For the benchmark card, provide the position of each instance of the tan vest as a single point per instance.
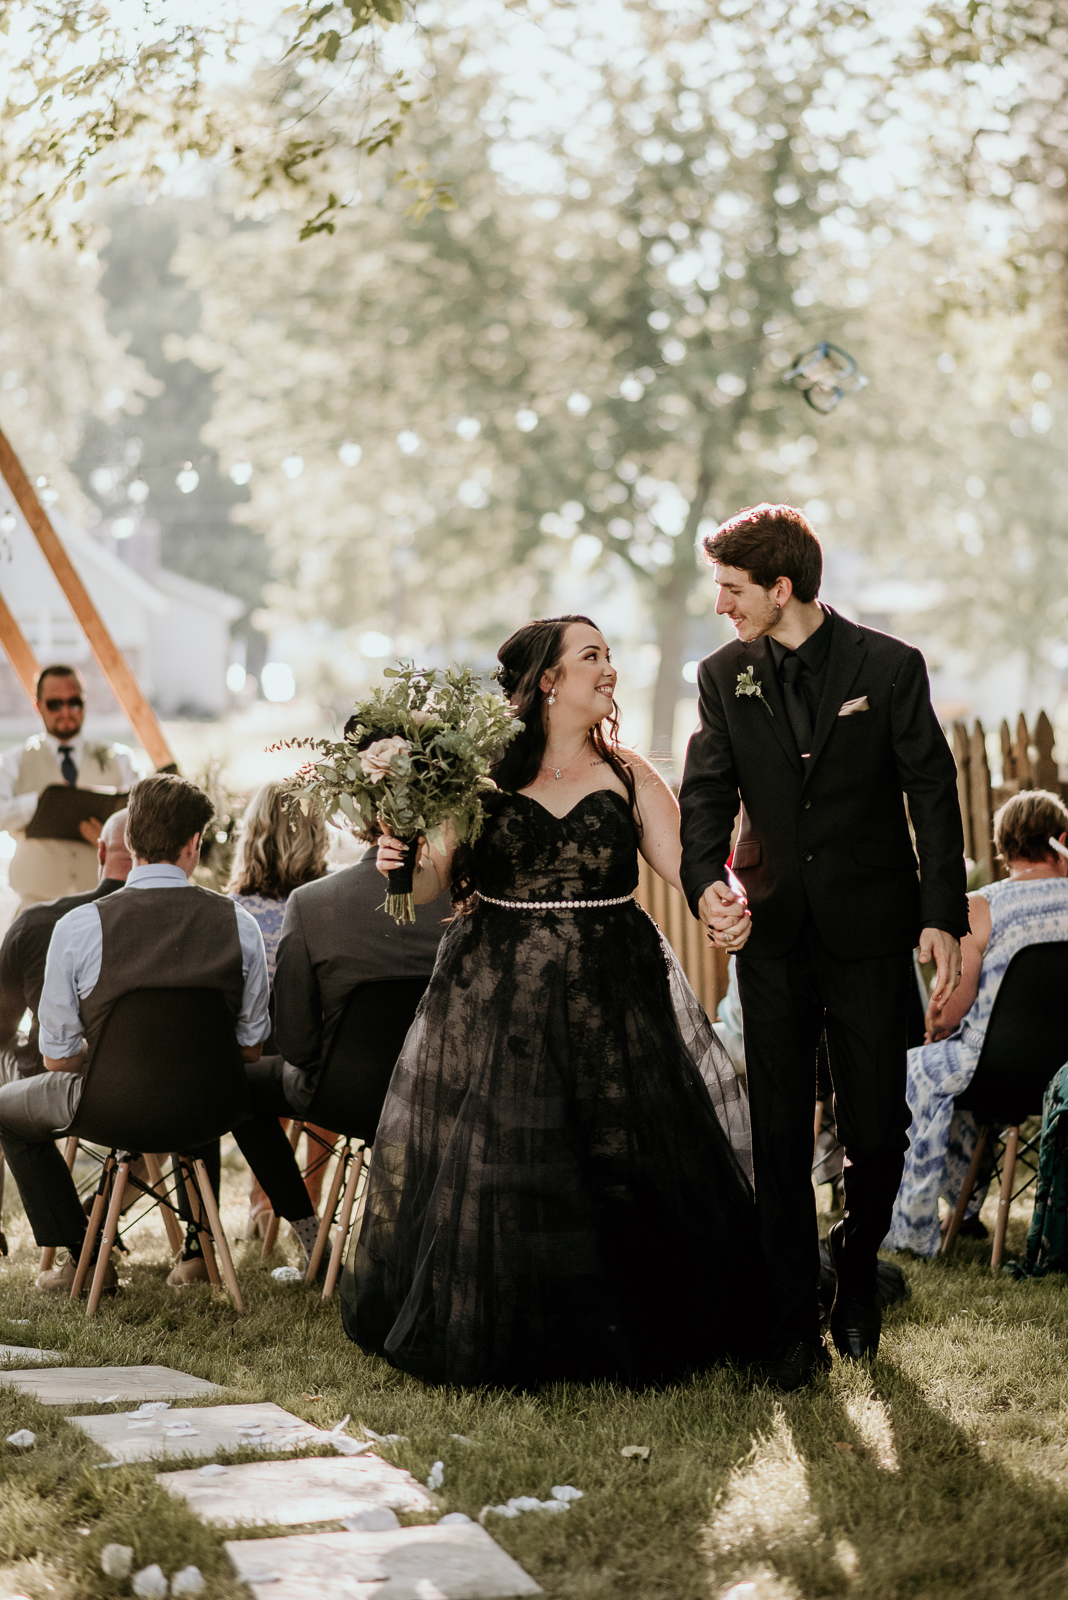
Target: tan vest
(43, 869)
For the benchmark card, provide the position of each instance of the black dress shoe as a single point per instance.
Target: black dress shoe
(856, 1318)
(796, 1363)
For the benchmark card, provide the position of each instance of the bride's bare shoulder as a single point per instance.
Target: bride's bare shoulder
(642, 768)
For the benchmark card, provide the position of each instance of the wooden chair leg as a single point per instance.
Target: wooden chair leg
(175, 1237)
(964, 1198)
(329, 1212)
(270, 1238)
(333, 1271)
(1008, 1173)
(215, 1222)
(92, 1229)
(207, 1250)
(110, 1233)
(70, 1152)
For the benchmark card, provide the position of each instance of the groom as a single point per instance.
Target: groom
(822, 730)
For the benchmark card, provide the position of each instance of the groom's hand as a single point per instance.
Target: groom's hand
(726, 917)
(944, 950)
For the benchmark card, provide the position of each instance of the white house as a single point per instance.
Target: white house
(175, 633)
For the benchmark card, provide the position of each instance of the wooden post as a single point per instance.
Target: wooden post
(981, 805)
(18, 650)
(1045, 768)
(1008, 755)
(962, 756)
(1024, 769)
(113, 664)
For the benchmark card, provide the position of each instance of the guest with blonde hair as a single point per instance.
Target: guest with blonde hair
(279, 849)
(1030, 906)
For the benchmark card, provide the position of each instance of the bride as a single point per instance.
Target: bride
(560, 1183)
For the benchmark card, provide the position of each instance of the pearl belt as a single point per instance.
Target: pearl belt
(556, 905)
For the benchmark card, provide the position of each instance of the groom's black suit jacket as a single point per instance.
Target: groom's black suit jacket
(830, 832)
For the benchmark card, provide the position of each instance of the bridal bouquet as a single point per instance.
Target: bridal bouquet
(417, 753)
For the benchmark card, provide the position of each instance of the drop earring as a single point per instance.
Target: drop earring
(552, 697)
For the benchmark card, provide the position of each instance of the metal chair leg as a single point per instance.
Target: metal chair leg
(1008, 1173)
(110, 1233)
(964, 1198)
(175, 1237)
(333, 1271)
(215, 1222)
(270, 1238)
(92, 1228)
(48, 1254)
(329, 1212)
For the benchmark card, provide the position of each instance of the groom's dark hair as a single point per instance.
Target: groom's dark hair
(770, 542)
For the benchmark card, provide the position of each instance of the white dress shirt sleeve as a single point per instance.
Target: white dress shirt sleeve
(130, 773)
(72, 969)
(254, 1021)
(15, 809)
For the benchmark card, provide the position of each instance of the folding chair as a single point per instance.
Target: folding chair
(166, 1075)
(1026, 1042)
(349, 1095)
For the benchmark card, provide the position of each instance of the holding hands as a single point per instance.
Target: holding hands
(726, 916)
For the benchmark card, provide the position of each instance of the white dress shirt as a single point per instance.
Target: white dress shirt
(73, 968)
(17, 809)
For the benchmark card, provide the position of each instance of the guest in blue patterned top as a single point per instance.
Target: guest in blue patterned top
(278, 850)
(1030, 906)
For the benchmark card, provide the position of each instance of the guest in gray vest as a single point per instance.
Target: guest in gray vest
(143, 936)
(334, 937)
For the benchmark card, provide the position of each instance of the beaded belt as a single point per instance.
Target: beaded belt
(556, 905)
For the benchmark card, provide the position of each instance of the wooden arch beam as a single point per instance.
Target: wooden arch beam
(110, 659)
(19, 651)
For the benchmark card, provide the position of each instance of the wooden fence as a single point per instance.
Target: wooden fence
(1026, 763)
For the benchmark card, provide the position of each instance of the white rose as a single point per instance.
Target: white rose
(376, 759)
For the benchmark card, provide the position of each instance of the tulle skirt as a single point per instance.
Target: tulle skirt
(561, 1182)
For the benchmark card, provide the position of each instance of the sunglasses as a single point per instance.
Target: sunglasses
(76, 703)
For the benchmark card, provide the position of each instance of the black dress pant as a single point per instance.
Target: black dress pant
(787, 1003)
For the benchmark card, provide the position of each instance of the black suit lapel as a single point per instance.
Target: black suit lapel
(844, 661)
(758, 656)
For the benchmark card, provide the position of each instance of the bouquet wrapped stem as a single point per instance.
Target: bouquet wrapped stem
(400, 899)
(416, 756)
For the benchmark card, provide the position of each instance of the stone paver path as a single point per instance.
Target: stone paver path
(14, 1355)
(287, 1493)
(200, 1431)
(65, 1386)
(453, 1563)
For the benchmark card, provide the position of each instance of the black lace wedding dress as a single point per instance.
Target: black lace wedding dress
(560, 1185)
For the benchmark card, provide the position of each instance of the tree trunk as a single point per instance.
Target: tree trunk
(670, 616)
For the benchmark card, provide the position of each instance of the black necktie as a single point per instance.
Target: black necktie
(796, 704)
(66, 766)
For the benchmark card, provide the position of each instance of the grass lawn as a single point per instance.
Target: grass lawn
(941, 1472)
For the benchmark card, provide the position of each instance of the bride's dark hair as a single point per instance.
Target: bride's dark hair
(525, 658)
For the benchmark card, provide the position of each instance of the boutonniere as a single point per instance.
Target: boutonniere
(100, 753)
(747, 685)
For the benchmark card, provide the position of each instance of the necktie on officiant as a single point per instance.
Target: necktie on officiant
(67, 768)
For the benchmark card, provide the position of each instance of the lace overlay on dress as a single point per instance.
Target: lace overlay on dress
(553, 1190)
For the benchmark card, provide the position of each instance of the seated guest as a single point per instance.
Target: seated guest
(1029, 907)
(279, 849)
(25, 946)
(334, 937)
(143, 936)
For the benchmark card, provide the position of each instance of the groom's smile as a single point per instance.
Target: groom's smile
(747, 604)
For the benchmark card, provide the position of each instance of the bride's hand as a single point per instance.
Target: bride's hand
(390, 853)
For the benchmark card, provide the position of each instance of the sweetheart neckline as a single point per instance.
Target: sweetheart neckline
(517, 794)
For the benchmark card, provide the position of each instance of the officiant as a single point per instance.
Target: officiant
(43, 869)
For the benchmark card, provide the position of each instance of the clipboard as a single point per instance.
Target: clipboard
(60, 809)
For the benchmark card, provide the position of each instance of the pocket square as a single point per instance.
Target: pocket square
(850, 706)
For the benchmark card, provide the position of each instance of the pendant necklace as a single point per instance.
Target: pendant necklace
(558, 772)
